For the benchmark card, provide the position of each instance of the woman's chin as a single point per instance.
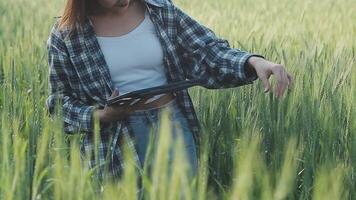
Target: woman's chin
(122, 3)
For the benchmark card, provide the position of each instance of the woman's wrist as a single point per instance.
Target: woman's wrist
(253, 62)
(249, 69)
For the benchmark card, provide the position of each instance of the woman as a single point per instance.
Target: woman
(99, 45)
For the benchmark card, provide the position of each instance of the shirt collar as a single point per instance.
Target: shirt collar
(158, 3)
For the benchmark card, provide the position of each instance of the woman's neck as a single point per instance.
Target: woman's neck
(114, 11)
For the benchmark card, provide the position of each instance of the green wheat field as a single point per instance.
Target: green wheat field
(254, 145)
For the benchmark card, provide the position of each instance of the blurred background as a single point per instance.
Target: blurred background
(256, 147)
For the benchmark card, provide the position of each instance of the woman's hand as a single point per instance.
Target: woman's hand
(114, 112)
(265, 69)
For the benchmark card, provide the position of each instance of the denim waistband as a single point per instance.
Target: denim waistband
(172, 103)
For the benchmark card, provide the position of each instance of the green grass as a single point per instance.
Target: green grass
(256, 147)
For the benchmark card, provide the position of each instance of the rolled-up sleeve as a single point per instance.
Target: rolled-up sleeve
(208, 57)
(77, 116)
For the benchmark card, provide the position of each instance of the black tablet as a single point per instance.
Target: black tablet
(133, 97)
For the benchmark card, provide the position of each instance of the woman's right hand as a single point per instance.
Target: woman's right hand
(114, 112)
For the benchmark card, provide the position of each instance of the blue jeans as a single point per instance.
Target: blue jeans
(143, 121)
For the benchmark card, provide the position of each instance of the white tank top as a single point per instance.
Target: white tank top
(135, 60)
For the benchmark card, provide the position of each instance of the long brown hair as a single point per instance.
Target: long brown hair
(75, 12)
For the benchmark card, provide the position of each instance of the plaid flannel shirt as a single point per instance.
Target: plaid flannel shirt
(80, 79)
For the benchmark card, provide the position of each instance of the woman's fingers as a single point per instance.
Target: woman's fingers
(282, 80)
(115, 93)
(266, 84)
(278, 75)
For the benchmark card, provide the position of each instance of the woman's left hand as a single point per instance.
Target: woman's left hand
(265, 69)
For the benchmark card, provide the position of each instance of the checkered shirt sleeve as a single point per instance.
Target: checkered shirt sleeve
(209, 57)
(78, 117)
